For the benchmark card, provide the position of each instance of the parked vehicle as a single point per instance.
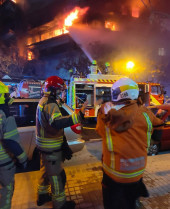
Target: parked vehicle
(29, 89)
(163, 112)
(24, 111)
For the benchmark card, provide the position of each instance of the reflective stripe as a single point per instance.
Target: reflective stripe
(74, 118)
(56, 185)
(22, 156)
(7, 201)
(55, 115)
(154, 100)
(109, 139)
(149, 132)
(122, 175)
(59, 197)
(49, 142)
(44, 189)
(40, 107)
(42, 131)
(0, 120)
(128, 87)
(132, 164)
(10, 133)
(112, 160)
(43, 139)
(3, 156)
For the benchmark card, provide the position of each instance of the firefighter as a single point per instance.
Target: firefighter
(125, 126)
(108, 69)
(51, 142)
(10, 149)
(94, 68)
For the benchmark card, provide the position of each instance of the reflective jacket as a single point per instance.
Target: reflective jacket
(126, 136)
(50, 125)
(93, 69)
(9, 142)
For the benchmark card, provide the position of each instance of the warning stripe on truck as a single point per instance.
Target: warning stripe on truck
(95, 80)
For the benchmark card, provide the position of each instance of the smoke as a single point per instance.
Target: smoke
(136, 41)
(87, 35)
(24, 5)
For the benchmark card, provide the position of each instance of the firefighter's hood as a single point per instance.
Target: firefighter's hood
(122, 119)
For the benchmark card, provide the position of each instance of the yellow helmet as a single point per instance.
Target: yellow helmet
(107, 64)
(3, 90)
(94, 62)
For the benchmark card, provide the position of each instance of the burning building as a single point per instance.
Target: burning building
(52, 44)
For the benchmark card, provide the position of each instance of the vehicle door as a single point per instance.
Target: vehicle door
(165, 141)
(25, 115)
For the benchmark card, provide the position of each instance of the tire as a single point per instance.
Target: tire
(154, 149)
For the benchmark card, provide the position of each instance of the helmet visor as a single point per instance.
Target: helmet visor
(115, 93)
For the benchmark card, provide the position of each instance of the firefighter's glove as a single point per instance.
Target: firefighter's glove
(67, 152)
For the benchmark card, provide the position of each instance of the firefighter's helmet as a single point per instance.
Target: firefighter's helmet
(94, 62)
(3, 91)
(107, 64)
(124, 88)
(54, 83)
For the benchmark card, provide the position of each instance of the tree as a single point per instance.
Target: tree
(10, 62)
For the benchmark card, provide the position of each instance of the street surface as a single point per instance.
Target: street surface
(84, 176)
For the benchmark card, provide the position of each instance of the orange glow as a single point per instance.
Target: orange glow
(77, 11)
(110, 25)
(29, 55)
(63, 29)
(14, 1)
(135, 12)
(59, 32)
(71, 17)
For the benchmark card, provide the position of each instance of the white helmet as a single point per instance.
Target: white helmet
(124, 88)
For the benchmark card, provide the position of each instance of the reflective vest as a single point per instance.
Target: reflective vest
(125, 153)
(8, 131)
(50, 125)
(93, 69)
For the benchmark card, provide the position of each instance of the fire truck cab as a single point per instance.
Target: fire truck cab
(151, 93)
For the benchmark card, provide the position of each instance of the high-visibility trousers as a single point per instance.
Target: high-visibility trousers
(52, 177)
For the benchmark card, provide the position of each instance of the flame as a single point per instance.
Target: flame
(29, 55)
(68, 22)
(77, 11)
(110, 25)
(135, 12)
(14, 1)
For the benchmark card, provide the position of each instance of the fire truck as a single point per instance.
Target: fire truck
(98, 86)
(29, 89)
(151, 93)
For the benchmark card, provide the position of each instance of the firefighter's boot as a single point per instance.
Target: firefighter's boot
(138, 204)
(69, 205)
(43, 198)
